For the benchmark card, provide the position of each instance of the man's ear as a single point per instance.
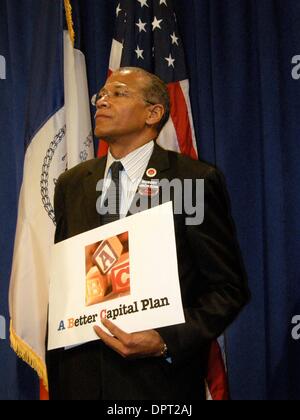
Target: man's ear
(155, 114)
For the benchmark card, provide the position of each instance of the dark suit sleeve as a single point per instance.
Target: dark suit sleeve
(59, 211)
(218, 290)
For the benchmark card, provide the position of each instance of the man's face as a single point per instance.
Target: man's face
(121, 110)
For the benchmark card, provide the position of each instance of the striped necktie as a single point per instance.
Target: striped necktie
(112, 198)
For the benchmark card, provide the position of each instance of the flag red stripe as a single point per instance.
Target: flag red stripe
(181, 121)
(217, 377)
(44, 396)
(102, 149)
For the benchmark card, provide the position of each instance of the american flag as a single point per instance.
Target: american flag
(147, 36)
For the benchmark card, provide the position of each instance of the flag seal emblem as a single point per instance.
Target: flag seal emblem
(47, 174)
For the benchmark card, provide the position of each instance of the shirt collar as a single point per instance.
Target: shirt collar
(128, 161)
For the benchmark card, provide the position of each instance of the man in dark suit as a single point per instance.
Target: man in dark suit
(167, 363)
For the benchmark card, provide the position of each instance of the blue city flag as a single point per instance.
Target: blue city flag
(55, 139)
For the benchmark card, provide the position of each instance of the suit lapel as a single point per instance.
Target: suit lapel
(158, 161)
(90, 182)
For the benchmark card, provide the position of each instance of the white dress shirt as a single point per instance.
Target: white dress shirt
(135, 165)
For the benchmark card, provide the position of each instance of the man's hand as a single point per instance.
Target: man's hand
(131, 346)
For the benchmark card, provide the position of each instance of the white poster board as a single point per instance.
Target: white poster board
(125, 271)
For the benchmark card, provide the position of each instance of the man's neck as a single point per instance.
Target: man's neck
(119, 151)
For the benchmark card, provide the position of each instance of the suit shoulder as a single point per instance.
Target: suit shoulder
(79, 171)
(189, 167)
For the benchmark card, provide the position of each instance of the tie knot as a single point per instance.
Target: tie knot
(116, 168)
